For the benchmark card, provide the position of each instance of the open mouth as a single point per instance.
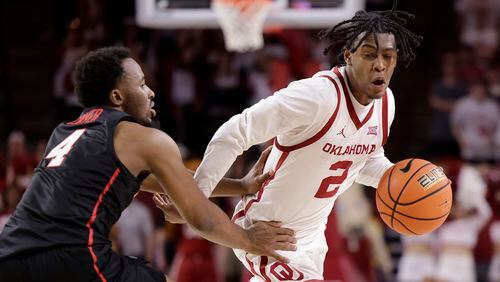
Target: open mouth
(153, 112)
(378, 82)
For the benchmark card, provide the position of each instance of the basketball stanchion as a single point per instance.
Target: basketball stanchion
(242, 22)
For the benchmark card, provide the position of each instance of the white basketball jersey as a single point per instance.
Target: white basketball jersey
(308, 177)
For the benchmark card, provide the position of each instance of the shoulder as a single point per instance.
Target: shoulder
(142, 137)
(317, 88)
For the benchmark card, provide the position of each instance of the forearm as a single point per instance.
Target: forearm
(373, 170)
(227, 187)
(219, 229)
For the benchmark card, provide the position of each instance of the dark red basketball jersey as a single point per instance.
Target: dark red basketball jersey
(78, 191)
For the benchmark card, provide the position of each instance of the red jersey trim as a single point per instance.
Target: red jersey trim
(88, 117)
(252, 269)
(263, 263)
(243, 212)
(385, 119)
(350, 107)
(323, 130)
(91, 221)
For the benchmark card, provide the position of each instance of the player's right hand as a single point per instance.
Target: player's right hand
(267, 237)
(169, 211)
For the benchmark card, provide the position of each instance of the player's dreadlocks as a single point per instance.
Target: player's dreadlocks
(389, 21)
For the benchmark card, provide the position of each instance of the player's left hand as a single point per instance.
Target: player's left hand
(252, 182)
(169, 211)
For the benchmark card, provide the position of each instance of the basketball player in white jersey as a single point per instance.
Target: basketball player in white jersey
(329, 132)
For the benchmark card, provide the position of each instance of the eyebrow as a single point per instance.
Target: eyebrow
(368, 45)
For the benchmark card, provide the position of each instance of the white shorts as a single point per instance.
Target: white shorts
(306, 263)
(454, 267)
(415, 267)
(494, 274)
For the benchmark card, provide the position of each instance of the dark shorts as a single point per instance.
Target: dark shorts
(76, 264)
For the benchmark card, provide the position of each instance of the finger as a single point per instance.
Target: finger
(266, 152)
(159, 199)
(277, 256)
(156, 197)
(263, 156)
(284, 231)
(265, 176)
(276, 224)
(284, 247)
(285, 238)
(166, 199)
(158, 202)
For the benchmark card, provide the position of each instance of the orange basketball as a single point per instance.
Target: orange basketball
(414, 197)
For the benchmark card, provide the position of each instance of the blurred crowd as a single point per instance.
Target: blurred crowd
(198, 86)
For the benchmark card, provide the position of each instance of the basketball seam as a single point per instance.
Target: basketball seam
(402, 224)
(427, 196)
(389, 191)
(403, 189)
(409, 216)
(389, 184)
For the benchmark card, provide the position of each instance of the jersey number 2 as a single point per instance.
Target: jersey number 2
(62, 149)
(323, 191)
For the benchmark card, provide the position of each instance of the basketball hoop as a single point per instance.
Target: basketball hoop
(242, 22)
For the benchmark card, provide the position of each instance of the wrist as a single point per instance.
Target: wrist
(247, 243)
(244, 186)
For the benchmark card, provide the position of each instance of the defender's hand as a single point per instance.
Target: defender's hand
(255, 178)
(169, 211)
(267, 237)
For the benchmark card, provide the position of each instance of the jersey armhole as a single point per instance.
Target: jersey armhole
(111, 146)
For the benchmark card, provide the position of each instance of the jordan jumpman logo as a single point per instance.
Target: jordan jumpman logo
(342, 131)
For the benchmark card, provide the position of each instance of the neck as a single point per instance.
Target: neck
(355, 89)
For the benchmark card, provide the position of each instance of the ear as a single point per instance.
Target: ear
(347, 56)
(116, 97)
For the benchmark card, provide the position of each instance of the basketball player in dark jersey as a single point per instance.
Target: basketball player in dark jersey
(92, 169)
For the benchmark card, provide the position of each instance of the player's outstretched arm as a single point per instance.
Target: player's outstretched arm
(250, 184)
(227, 187)
(155, 151)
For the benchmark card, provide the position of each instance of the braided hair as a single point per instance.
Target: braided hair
(389, 21)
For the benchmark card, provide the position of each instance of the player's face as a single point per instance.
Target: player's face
(138, 98)
(370, 68)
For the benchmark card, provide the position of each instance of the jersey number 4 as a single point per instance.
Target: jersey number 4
(323, 191)
(58, 154)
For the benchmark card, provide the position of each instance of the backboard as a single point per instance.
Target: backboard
(173, 14)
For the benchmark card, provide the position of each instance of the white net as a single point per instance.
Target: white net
(242, 22)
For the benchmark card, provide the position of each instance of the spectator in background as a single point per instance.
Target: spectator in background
(494, 271)
(445, 92)
(417, 260)
(194, 257)
(478, 20)
(20, 163)
(135, 234)
(11, 196)
(474, 121)
(494, 82)
(73, 49)
(3, 172)
(457, 237)
(184, 92)
(95, 31)
(230, 91)
(363, 235)
(258, 80)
